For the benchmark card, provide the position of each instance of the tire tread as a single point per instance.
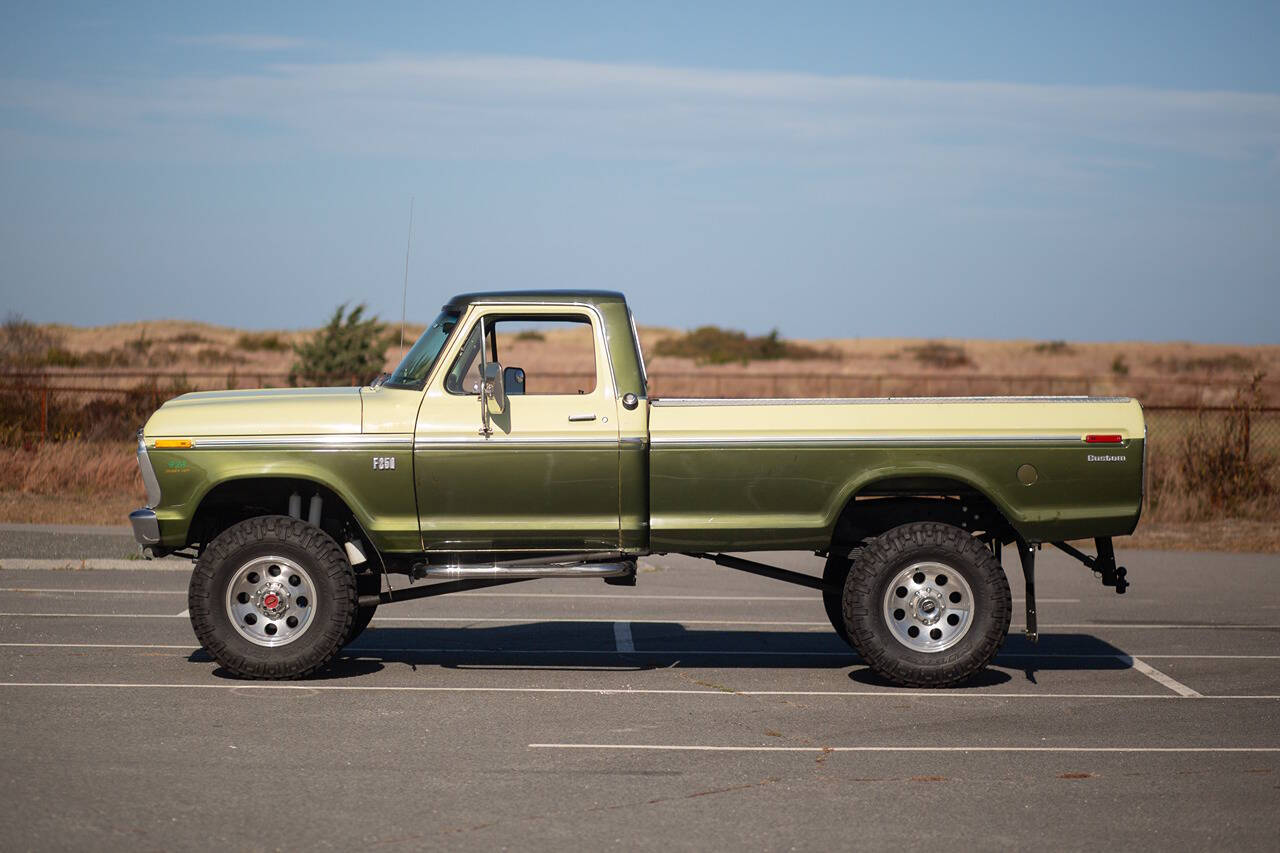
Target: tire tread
(860, 605)
(335, 574)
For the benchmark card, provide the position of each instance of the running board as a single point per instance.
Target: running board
(470, 576)
(503, 571)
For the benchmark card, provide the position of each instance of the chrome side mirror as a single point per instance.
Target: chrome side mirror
(493, 397)
(495, 391)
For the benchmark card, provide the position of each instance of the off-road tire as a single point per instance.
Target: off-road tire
(305, 544)
(834, 574)
(874, 572)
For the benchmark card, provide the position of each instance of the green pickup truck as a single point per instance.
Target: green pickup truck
(306, 509)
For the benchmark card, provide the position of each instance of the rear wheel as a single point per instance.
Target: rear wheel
(272, 597)
(926, 605)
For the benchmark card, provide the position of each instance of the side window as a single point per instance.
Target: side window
(555, 355)
(540, 354)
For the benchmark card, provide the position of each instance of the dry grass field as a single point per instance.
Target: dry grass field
(1177, 373)
(94, 481)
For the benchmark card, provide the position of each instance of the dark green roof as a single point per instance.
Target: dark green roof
(591, 297)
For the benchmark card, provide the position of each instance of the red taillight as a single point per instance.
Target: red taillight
(1108, 438)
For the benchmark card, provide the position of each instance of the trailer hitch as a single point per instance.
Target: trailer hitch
(1103, 565)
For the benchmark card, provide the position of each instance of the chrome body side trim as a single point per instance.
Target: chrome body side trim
(871, 401)
(552, 443)
(146, 527)
(149, 479)
(339, 441)
(859, 440)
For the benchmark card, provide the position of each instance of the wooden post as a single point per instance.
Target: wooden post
(44, 413)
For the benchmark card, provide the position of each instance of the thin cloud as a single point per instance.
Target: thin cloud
(248, 42)
(515, 108)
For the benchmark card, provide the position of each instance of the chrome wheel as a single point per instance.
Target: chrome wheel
(271, 601)
(928, 607)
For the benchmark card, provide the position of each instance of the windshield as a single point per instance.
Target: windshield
(417, 362)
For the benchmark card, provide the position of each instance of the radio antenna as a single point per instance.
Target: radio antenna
(404, 295)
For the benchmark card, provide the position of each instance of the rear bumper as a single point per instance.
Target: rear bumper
(146, 527)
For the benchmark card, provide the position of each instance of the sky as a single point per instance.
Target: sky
(1083, 170)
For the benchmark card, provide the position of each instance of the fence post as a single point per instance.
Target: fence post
(44, 413)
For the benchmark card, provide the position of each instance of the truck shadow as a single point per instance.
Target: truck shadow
(594, 646)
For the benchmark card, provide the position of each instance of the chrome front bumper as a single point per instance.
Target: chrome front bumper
(146, 528)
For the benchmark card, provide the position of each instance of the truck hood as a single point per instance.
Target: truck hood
(277, 411)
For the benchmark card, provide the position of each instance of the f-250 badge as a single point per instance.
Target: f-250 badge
(384, 463)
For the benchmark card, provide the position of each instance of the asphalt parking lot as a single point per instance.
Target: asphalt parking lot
(702, 709)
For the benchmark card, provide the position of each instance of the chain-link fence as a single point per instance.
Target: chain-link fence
(1213, 462)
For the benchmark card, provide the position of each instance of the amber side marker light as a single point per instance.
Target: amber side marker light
(172, 443)
(1107, 438)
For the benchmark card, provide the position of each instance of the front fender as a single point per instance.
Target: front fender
(381, 499)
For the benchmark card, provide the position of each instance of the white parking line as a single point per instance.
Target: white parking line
(624, 691)
(571, 595)
(99, 563)
(95, 591)
(931, 749)
(186, 647)
(186, 612)
(1199, 626)
(622, 637)
(1159, 677)
(356, 651)
(527, 619)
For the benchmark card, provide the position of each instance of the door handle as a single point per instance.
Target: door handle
(577, 418)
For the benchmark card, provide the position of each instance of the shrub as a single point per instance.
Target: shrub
(1232, 362)
(1053, 348)
(262, 341)
(531, 335)
(23, 343)
(216, 356)
(93, 416)
(141, 345)
(59, 357)
(189, 338)
(711, 344)
(939, 354)
(1219, 464)
(115, 357)
(1119, 366)
(349, 348)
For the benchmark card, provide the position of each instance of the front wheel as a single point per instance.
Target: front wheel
(272, 597)
(926, 605)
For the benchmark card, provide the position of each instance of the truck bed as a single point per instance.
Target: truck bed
(776, 474)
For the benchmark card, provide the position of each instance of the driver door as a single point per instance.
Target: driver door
(546, 478)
